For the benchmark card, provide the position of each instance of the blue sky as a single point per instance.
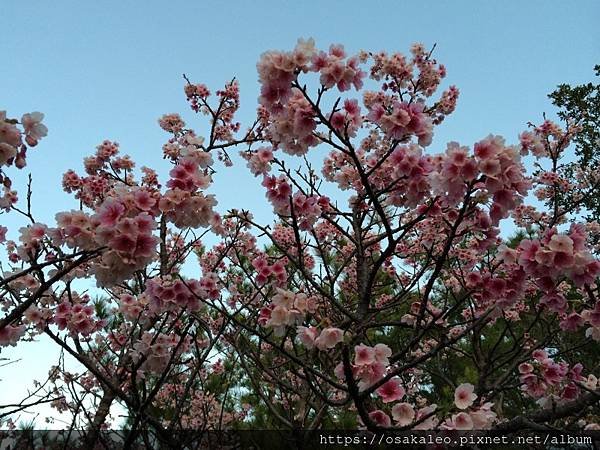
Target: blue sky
(108, 70)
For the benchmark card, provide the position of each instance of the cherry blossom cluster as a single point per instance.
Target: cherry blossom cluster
(172, 123)
(130, 241)
(153, 351)
(259, 161)
(79, 317)
(12, 148)
(14, 142)
(547, 139)
(503, 175)
(296, 118)
(404, 414)
(222, 116)
(196, 93)
(130, 306)
(293, 131)
(400, 120)
(187, 144)
(286, 308)
(549, 381)
(326, 339)
(410, 168)
(170, 295)
(348, 120)
(307, 209)
(124, 228)
(279, 193)
(166, 295)
(557, 255)
(278, 69)
(370, 365)
(468, 416)
(229, 103)
(185, 209)
(265, 271)
(592, 317)
(203, 410)
(104, 170)
(11, 334)
(183, 204)
(31, 238)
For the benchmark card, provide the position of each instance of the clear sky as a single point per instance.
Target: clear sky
(108, 70)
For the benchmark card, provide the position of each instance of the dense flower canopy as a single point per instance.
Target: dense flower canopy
(381, 295)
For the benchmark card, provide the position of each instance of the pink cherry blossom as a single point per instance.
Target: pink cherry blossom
(329, 338)
(364, 355)
(391, 391)
(462, 421)
(464, 395)
(307, 335)
(34, 128)
(380, 418)
(403, 414)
